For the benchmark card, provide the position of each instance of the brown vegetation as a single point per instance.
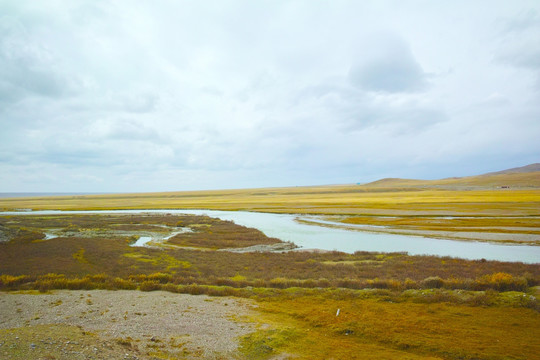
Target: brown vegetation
(221, 234)
(109, 262)
(392, 306)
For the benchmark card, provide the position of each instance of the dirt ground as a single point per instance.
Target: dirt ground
(100, 324)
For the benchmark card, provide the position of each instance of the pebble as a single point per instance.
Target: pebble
(194, 316)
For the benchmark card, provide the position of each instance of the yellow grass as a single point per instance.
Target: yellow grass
(342, 199)
(416, 205)
(373, 329)
(418, 315)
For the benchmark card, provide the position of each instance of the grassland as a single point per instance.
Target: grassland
(343, 199)
(501, 207)
(497, 195)
(368, 328)
(392, 306)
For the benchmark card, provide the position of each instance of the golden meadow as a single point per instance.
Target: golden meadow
(392, 306)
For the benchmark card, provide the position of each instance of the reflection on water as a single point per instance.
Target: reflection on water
(284, 227)
(141, 241)
(144, 240)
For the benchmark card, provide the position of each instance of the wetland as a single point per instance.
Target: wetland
(344, 234)
(291, 296)
(277, 264)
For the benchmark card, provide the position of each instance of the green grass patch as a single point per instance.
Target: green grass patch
(264, 344)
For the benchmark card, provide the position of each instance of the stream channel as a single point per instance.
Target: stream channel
(314, 236)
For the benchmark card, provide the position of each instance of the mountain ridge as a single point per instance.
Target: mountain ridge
(523, 177)
(522, 169)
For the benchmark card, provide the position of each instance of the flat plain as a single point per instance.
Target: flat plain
(305, 305)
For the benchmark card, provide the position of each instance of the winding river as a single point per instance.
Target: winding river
(313, 236)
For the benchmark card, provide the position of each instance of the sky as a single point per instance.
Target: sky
(141, 96)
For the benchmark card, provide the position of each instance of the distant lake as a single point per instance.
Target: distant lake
(286, 228)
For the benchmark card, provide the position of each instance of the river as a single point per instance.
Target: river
(312, 236)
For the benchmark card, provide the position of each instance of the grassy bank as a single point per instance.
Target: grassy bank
(100, 245)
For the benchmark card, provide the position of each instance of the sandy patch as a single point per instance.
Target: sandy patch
(494, 237)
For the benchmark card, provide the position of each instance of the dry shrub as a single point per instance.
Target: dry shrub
(502, 282)
(410, 284)
(220, 291)
(150, 286)
(159, 277)
(384, 284)
(80, 284)
(121, 284)
(486, 298)
(454, 283)
(351, 283)
(171, 288)
(9, 281)
(432, 282)
(194, 289)
(281, 283)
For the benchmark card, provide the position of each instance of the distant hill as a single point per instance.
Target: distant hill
(520, 177)
(523, 169)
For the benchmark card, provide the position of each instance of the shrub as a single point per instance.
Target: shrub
(98, 277)
(280, 283)
(78, 284)
(193, 289)
(150, 286)
(432, 282)
(170, 288)
(410, 284)
(486, 298)
(121, 284)
(502, 282)
(159, 277)
(8, 281)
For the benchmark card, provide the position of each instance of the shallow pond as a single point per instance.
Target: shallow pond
(285, 227)
(141, 241)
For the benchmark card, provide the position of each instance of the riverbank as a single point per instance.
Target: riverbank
(495, 234)
(477, 210)
(287, 228)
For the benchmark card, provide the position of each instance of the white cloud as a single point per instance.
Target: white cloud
(386, 64)
(137, 96)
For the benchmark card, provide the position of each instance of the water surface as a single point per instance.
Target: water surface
(286, 228)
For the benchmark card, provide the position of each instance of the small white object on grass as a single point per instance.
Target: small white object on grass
(337, 313)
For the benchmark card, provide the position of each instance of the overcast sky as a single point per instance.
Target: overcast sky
(127, 96)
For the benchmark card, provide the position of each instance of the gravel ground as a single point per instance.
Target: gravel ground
(121, 324)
